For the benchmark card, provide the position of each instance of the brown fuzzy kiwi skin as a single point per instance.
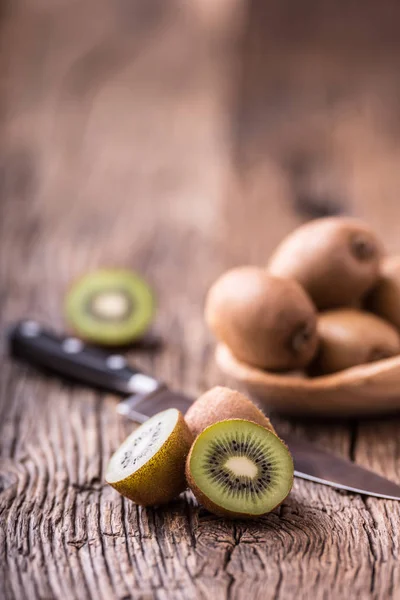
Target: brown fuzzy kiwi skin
(384, 298)
(350, 337)
(221, 403)
(335, 259)
(266, 321)
(162, 478)
(219, 510)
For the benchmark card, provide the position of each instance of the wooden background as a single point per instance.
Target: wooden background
(180, 138)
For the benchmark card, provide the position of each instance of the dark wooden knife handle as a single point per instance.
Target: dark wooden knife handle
(70, 357)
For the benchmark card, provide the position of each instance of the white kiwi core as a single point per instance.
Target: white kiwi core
(141, 445)
(242, 466)
(111, 305)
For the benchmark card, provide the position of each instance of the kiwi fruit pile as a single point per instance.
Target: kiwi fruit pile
(327, 300)
(225, 450)
(110, 307)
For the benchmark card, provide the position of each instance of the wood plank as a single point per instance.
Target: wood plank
(117, 125)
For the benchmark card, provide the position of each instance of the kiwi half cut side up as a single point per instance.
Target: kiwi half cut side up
(239, 469)
(149, 466)
(110, 307)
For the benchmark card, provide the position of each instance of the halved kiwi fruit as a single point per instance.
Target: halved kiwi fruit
(221, 403)
(110, 306)
(239, 469)
(149, 467)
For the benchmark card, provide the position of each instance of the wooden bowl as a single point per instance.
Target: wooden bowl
(369, 389)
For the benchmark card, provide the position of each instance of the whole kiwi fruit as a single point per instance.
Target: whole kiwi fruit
(266, 321)
(335, 259)
(222, 403)
(384, 298)
(350, 337)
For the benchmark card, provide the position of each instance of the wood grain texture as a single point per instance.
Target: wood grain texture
(126, 140)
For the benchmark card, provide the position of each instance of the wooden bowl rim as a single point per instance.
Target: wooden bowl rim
(282, 381)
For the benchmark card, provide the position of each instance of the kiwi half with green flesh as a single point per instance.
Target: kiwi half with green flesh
(239, 469)
(268, 322)
(384, 299)
(335, 259)
(110, 306)
(350, 337)
(222, 403)
(149, 466)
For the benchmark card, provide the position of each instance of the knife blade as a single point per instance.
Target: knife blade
(70, 357)
(313, 463)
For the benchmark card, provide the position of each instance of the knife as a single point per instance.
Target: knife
(72, 358)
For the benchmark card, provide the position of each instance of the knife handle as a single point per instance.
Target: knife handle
(71, 357)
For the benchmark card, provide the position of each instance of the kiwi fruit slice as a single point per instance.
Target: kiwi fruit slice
(222, 403)
(110, 307)
(335, 259)
(239, 469)
(350, 337)
(384, 299)
(149, 466)
(266, 321)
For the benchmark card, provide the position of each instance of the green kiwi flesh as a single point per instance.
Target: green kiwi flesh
(239, 469)
(149, 466)
(110, 306)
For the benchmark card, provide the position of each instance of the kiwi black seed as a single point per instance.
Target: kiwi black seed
(239, 469)
(149, 466)
(266, 321)
(110, 306)
(335, 259)
(351, 337)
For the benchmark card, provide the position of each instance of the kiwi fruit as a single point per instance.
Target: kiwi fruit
(335, 259)
(350, 337)
(266, 321)
(384, 298)
(149, 466)
(222, 403)
(239, 469)
(110, 307)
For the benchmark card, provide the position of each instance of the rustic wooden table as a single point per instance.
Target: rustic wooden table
(179, 139)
